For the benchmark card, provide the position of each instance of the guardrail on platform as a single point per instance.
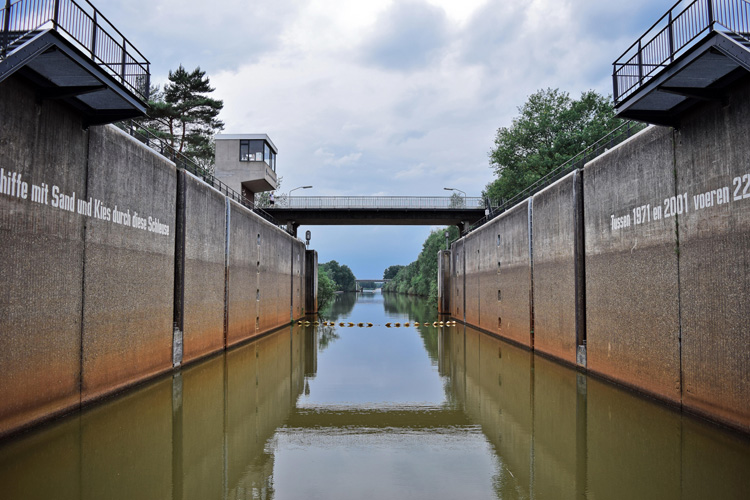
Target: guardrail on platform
(671, 36)
(86, 28)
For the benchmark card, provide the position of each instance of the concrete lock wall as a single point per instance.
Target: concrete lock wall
(639, 263)
(713, 171)
(632, 316)
(104, 248)
(201, 317)
(558, 268)
(41, 247)
(497, 286)
(129, 263)
(265, 264)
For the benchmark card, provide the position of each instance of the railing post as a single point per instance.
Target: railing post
(6, 26)
(710, 5)
(56, 13)
(616, 93)
(671, 38)
(93, 37)
(640, 62)
(124, 53)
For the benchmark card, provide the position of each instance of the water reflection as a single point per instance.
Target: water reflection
(400, 412)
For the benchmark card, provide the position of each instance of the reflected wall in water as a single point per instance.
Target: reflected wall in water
(559, 434)
(199, 434)
(237, 426)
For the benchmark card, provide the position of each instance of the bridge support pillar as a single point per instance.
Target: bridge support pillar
(291, 227)
(311, 282)
(444, 279)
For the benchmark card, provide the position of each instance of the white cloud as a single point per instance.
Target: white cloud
(394, 97)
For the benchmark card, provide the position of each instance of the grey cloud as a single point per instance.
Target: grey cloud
(217, 36)
(407, 36)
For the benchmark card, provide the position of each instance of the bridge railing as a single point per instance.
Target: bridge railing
(84, 26)
(380, 202)
(671, 36)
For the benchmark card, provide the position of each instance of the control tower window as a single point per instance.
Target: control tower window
(251, 150)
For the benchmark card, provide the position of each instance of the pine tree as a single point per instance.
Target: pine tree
(185, 116)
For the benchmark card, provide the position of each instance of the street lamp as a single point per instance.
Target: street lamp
(300, 187)
(454, 189)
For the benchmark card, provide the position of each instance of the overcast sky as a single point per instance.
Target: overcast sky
(382, 97)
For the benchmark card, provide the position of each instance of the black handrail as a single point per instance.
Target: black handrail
(607, 142)
(673, 34)
(181, 161)
(87, 28)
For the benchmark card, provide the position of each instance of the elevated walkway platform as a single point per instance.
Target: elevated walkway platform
(692, 54)
(71, 53)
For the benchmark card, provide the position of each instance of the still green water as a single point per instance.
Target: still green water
(358, 413)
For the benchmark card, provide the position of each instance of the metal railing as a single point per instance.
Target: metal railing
(604, 144)
(142, 134)
(378, 202)
(84, 26)
(671, 36)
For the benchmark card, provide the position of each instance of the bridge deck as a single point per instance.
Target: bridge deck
(377, 210)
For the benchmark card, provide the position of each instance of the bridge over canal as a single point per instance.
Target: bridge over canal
(377, 210)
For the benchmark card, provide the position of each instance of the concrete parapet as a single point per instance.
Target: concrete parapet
(129, 263)
(713, 177)
(632, 316)
(558, 269)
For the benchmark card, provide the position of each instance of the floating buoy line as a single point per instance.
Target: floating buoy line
(349, 324)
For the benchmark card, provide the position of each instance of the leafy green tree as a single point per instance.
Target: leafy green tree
(186, 116)
(550, 129)
(391, 272)
(420, 277)
(341, 275)
(326, 288)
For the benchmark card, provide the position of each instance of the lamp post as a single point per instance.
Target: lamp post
(454, 189)
(300, 187)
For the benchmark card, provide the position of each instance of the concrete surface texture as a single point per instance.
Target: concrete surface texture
(102, 255)
(204, 276)
(498, 276)
(666, 232)
(713, 171)
(554, 234)
(632, 316)
(41, 247)
(129, 263)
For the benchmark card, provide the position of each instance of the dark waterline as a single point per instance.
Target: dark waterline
(357, 412)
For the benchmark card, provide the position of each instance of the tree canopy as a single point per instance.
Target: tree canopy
(391, 272)
(326, 288)
(341, 275)
(185, 115)
(420, 277)
(550, 129)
